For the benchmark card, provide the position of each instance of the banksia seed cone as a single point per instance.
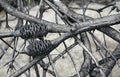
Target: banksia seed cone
(33, 31)
(27, 32)
(38, 48)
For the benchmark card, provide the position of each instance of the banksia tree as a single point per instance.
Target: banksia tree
(78, 27)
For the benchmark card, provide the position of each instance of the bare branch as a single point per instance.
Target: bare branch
(85, 26)
(111, 32)
(26, 67)
(108, 63)
(85, 68)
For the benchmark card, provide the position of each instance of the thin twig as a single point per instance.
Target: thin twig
(53, 66)
(91, 24)
(45, 68)
(102, 46)
(81, 44)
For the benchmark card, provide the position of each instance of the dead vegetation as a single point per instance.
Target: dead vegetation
(73, 43)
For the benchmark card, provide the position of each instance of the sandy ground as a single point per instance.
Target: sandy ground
(63, 66)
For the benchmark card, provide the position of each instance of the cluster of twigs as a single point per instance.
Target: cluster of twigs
(75, 24)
